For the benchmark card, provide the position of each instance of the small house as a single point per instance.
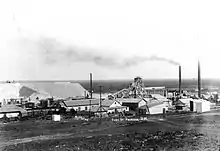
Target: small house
(132, 103)
(113, 106)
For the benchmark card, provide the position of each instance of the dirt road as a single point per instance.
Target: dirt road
(71, 135)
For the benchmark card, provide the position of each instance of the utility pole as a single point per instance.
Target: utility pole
(100, 103)
(199, 81)
(180, 81)
(89, 108)
(91, 85)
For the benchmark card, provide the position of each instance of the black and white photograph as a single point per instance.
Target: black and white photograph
(101, 75)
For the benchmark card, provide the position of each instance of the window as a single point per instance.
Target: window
(86, 108)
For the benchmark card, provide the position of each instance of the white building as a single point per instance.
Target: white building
(114, 106)
(202, 106)
(154, 106)
(161, 98)
(157, 108)
(132, 103)
(187, 101)
(198, 105)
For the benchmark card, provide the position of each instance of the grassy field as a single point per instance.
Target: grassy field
(181, 132)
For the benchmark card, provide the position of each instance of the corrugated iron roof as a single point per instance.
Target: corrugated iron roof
(160, 97)
(117, 107)
(154, 104)
(179, 103)
(11, 108)
(129, 100)
(98, 109)
(107, 102)
(81, 102)
(151, 104)
(154, 88)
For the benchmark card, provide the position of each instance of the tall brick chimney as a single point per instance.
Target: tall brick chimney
(180, 79)
(199, 81)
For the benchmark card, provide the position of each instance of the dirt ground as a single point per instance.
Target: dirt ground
(180, 132)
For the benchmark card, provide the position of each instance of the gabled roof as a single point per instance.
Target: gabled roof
(81, 102)
(59, 90)
(150, 104)
(154, 88)
(154, 104)
(186, 101)
(107, 103)
(11, 108)
(117, 107)
(129, 100)
(98, 109)
(179, 103)
(159, 97)
(201, 100)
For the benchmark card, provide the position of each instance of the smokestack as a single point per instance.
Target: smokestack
(180, 80)
(199, 80)
(91, 85)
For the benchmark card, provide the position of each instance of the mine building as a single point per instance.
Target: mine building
(138, 98)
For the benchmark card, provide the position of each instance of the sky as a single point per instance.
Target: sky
(67, 40)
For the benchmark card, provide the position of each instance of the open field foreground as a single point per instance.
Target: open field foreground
(181, 132)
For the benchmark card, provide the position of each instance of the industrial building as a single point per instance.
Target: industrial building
(153, 107)
(132, 103)
(15, 93)
(196, 105)
(114, 106)
(150, 100)
(81, 104)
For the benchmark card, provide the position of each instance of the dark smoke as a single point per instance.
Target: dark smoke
(53, 52)
(163, 59)
(137, 60)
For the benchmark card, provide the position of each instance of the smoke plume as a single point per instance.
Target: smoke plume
(53, 52)
(137, 60)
